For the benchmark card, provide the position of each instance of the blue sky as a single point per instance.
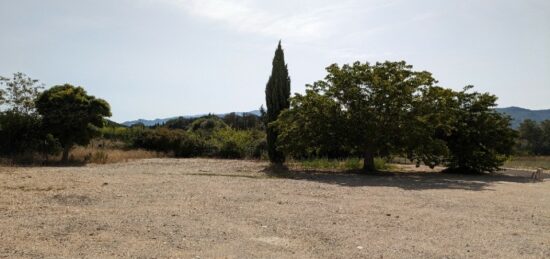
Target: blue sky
(162, 58)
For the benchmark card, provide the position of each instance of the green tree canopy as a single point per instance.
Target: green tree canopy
(387, 109)
(376, 103)
(21, 130)
(71, 115)
(17, 94)
(534, 137)
(480, 138)
(277, 94)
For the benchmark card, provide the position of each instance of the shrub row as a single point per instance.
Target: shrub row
(200, 140)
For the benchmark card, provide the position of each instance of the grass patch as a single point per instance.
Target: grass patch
(529, 162)
(337, 164)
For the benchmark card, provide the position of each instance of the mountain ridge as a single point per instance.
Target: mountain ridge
(152, 122)
(518, 115)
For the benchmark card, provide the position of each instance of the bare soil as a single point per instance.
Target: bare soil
(193, 208)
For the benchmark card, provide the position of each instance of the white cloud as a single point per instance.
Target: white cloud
(299, 21)
(246, 17)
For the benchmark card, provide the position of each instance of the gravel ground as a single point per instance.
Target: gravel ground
(193, 208)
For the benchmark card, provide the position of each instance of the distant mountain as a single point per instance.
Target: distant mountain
(110, 123)
(162, 121)
(519, 114)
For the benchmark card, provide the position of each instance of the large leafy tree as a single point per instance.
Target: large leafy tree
(277, 94)
(71, 115)
(315, 126)
(377, 102)
(531, 137)
(387, 109)
(480, 138)
(534, 137)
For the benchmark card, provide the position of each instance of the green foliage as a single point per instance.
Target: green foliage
(314, 127)
(23, 134)
(368, 110)
(71, 115)
(19, 92)
(534, 138)
(179, 123)
(178, 142)
(123, 134)
(223, 142)
(21, 130)
(277, 94)
(387, 109)
(243, 122)
(327, 163)
(351, 163)
(207, 125)
(206, 136)
(233, 143)
(481, 138)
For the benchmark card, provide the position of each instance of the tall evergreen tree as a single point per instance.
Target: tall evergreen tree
(277, 94)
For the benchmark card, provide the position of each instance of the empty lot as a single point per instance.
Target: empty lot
(205, 208)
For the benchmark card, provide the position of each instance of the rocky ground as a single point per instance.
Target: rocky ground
(193, 208)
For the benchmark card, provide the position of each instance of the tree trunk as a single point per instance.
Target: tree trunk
(65, 156)
(368, 163)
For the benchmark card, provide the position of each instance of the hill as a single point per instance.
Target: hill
(519, 114)
(162, 121)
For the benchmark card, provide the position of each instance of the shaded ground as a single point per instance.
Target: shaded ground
(237, 209)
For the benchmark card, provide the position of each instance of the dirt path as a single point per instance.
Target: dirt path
(233, 209)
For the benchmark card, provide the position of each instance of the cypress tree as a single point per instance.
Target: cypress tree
(277, 94)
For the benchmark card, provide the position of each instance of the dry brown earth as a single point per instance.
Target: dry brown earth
(203, 208)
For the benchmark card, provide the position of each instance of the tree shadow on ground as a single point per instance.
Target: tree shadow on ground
(48, 163)
(403, 180)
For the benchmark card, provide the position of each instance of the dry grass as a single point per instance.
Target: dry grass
(102, 151)
(102, 155)
(97, 152)
(529, 162)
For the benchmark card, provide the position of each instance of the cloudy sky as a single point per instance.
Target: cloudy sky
(162, 58)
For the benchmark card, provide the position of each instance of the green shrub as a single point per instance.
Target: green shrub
(23, 134)
(178, 142)
(233, 143)
(207, 125)
(327, 163)
(206, 137)
(123, 134)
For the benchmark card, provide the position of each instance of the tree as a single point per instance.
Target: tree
(277, 94)
(377, 102)
(534, 137)
(545, 126)
(71, 115)
(481, 138)
(531, 137)
(20, 93)
(387, 109)
(21, 131)
(315, 126)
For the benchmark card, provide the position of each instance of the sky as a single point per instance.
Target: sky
(163, 58)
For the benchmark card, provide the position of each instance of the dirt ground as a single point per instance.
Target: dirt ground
(200, 208)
